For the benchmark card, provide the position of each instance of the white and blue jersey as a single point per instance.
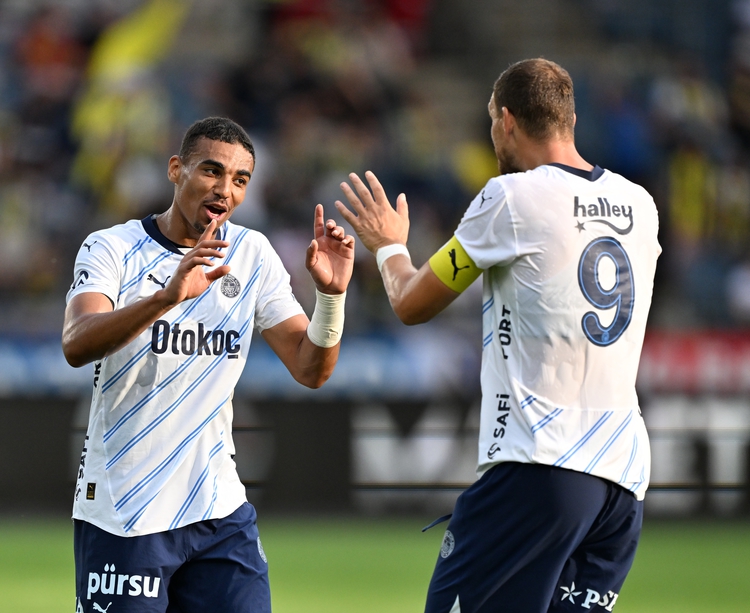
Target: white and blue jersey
(158, 450)
(569, 260)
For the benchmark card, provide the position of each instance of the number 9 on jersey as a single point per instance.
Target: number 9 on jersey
(619, 296)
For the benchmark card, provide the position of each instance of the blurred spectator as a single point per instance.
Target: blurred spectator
(122, 118)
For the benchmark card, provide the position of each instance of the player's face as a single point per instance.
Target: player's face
(211, 183)
(507, 161)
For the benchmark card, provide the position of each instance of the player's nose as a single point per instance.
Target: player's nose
(223, 187)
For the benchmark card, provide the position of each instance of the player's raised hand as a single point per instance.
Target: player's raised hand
(190, 279)
(373, 218)
(330, 256)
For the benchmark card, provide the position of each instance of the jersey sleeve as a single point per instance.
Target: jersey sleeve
(276, 301)
(97, 269)
(487, 231)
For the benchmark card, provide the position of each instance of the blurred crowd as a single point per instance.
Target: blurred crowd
(95, 95)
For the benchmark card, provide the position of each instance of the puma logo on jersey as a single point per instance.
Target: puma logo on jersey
(159, 283)
(483, 199)
(602, 208)
(456, 268)
(88, 247)
(98, 608)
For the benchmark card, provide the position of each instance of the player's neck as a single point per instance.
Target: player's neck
(554, 151)
(175, 227)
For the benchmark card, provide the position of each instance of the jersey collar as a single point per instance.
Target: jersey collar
(149, 225)
(589, 175)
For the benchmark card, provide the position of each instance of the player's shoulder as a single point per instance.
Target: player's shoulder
(597, 178)
(491, 195)
(120, 236)
(625, 184)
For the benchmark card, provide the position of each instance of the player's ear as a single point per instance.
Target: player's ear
(509, 121)
(174, 167)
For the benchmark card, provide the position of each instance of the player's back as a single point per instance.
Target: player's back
(569, 260)
(581, 283)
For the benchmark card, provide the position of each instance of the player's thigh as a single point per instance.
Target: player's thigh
(121, 575)
(595, 572)
(228, 572)
(510, 537)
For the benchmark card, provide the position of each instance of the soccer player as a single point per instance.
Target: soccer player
(165, 307)
(568, 251)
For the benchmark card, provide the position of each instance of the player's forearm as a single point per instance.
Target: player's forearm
(91, 336)
(314, 365)
(410, 291)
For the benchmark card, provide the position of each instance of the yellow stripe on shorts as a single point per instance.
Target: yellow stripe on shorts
(454, 267)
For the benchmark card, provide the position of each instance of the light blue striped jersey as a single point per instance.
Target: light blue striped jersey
(158, 451)
(569, 260)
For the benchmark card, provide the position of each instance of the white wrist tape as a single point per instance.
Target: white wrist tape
(327, 322)
(388, 251)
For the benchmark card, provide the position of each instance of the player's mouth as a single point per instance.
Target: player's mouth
(214, 210)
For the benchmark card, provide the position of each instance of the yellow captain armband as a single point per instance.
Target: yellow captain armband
(454, 267)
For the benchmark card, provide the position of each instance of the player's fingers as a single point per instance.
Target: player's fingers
(362, 190)
(335, 231)
(209, 248)
(402, 208)
(217, 273)
(353, 199)
(377, 189)
(207, 252)
(318, 227)
(311, 255)
(192, 262)
(348, 216)
(209, 231)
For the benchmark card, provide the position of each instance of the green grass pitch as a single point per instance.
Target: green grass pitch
(373, 565)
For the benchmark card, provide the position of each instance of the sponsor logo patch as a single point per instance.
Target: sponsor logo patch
(119, 584)
(591, 599)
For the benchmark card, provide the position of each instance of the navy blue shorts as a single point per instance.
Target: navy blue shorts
(531, 538)
(213, 566)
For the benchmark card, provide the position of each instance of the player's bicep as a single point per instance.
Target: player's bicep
(285, 337)
(87, 303)
(90, 302)
(453, 266)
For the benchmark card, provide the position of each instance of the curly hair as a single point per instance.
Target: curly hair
(215, 128)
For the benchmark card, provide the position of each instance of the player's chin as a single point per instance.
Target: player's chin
(200, 226)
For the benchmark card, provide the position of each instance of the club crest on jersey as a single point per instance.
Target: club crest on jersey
(614, 215)
(230, 286)
(449, 543)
